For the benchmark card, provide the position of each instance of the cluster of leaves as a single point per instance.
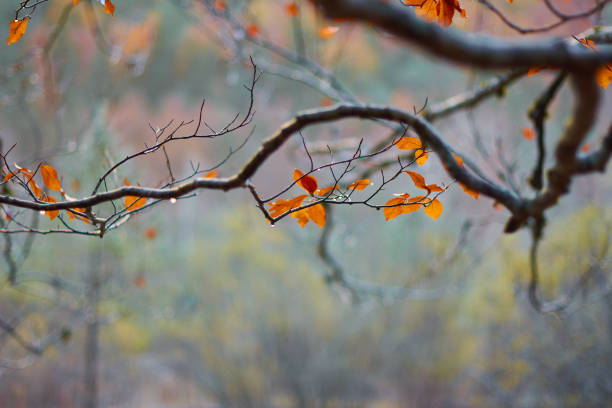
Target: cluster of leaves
(304, 211)
(441, 10)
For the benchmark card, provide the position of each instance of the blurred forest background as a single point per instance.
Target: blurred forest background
(201, 303)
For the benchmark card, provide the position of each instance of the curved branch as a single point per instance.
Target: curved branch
(468, 49)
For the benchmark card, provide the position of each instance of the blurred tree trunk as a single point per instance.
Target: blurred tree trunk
(91, 340)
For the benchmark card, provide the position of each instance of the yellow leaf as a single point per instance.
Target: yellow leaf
(17, 30)
(50, 178)
(409, 143)
(434, 209)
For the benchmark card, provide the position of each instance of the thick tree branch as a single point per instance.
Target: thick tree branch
(468, 49)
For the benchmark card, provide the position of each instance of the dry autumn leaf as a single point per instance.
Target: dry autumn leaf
(133, 203)
(292, 9)
(603, 76)
(409, 143)
(52, 213)
(442, 10)
(360, 184)
(315, 213)
(469, 191)
(528, 133)
(140, 281)
(280, 207)
(308, 183)
(421, 156)
(434, 209)
(252, 30)
(150, 233)
(220, 5)
(401, 205)
(419, 181)
(16, 30)
(327, 32)
(211, 174)
(49, 175)
(325, 191)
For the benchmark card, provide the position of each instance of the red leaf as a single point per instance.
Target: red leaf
(308, 183)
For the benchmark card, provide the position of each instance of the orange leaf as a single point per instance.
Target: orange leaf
(50, 178)
(17, 30)
(220, 5)
(52, 213)
(9, 176)
(585, 148)
(292, 9)
(326, 101)
(409, 143)
(150, 233)
(35, 188)
(603, 76)
(458, 159)
(211, 174)
(328, 32)
(418, 180)
(587, 43)
(533, 71)
(434, 209)
(302, 217)
(282, 206)
(434, 188)
(75, 2)
(109, 7)
(401, 205)
(252, 30)
(324, 191)
(469, 191)
(308, 183)
(446, 10)
(140, 281)
(528, 133)
(133, 203)
(392, 212)
(317, 214)
(72, 216)
(421, 156)
(360, 184)
(427, 10)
